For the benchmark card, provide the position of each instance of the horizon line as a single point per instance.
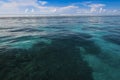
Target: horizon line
(43, 15)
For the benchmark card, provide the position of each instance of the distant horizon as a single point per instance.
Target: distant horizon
(39, 15)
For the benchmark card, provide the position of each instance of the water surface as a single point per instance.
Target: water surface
(60, 48)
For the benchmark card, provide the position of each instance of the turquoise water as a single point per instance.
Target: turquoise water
(60, 48)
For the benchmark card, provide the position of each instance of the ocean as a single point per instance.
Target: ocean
(60, 48)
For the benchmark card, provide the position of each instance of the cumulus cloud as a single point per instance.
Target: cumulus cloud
(95, 7)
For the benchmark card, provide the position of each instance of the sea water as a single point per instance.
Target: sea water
(60, 48)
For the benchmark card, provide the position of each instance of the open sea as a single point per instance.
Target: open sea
(60, 48)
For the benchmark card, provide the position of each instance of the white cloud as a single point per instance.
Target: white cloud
(43, 2)
(20, 6)
(32, 10)
(101, 9)
(95, 7)
(26, 10)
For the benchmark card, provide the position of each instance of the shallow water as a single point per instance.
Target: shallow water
(60, 48)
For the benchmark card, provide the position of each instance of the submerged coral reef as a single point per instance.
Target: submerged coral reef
(59, 60)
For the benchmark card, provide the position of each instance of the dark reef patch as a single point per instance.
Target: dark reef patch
(60, 60)
(112, 38)
(79, 39)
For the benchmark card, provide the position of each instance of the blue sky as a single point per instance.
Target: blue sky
(60, 7)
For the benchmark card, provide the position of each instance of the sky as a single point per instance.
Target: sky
(60, 7)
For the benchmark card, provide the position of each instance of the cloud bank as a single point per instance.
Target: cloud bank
(30, 7)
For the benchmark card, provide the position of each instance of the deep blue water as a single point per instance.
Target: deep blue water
(60, 48)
